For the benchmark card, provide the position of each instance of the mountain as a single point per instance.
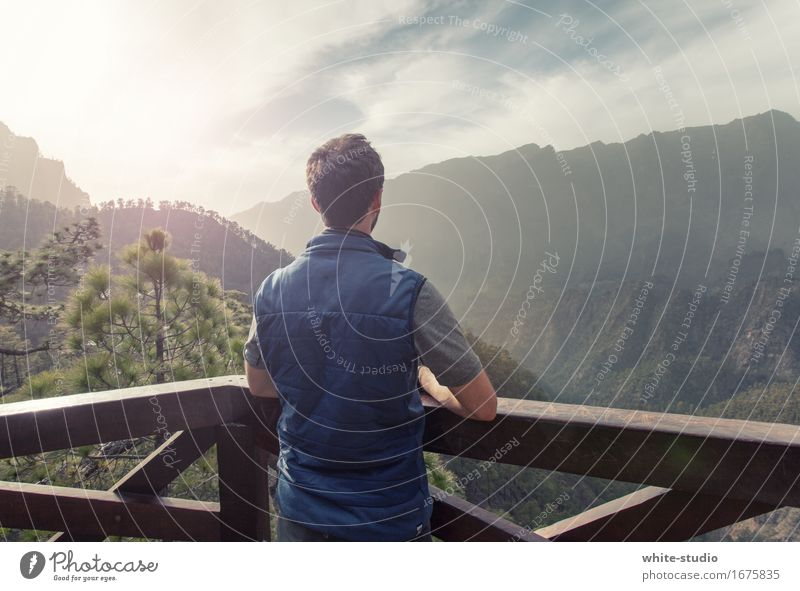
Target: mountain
(44, 179)
(215, 245)
(289, 223)
(670, 204)
(547, 253)
(655, 346)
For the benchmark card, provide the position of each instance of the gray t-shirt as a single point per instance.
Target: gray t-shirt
(438, 339)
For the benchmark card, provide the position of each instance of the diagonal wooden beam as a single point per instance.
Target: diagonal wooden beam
(156, 471)
(653, 514)
(55, 508)
(457, 520)
(167, 462)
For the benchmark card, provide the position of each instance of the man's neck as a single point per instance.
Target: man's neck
(349, 230)
(363, 228)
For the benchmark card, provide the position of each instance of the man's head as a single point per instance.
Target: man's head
(345, 178)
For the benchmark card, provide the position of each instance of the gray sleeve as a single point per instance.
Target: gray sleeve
(252, 352)
(439, 341)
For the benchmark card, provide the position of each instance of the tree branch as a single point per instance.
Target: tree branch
(21, 352)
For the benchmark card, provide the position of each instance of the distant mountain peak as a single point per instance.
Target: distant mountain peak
(35, 176)
(776, 114)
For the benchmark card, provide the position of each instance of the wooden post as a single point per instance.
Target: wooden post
(243, 488)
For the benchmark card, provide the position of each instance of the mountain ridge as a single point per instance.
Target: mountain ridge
(625, 215)
(648, 177)
(35, 176)
(534, 147)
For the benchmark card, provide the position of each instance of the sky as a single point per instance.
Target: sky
(220, 103)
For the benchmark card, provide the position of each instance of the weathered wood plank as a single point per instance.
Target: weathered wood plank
(82, 512)
(653, 514)
(243, 484)
(49, 424)
(156, 471)
(454, 519)
(720, 457)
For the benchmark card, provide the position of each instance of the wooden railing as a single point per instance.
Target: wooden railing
(702, 473)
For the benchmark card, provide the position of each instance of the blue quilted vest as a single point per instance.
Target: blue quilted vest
(335, 332)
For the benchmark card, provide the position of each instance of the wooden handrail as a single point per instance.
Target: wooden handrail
(743, 460)
(50, 424)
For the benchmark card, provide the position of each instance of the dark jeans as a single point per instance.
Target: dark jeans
(291, 531)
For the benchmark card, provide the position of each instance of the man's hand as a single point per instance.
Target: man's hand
(475, 400)
(431, 385)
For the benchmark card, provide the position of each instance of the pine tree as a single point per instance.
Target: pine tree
(29, 282)
(160, 320)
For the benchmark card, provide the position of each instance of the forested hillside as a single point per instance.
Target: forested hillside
(214, 244)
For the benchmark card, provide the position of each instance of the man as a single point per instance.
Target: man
(342, 335)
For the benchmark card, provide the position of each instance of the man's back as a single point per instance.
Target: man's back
(335, 329)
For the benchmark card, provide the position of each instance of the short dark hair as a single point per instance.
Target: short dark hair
(343, 175)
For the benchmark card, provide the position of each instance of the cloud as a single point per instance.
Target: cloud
(220, 103)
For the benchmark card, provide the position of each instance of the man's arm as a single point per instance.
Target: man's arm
(258, 378)
(260, 382)
(450, 370)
